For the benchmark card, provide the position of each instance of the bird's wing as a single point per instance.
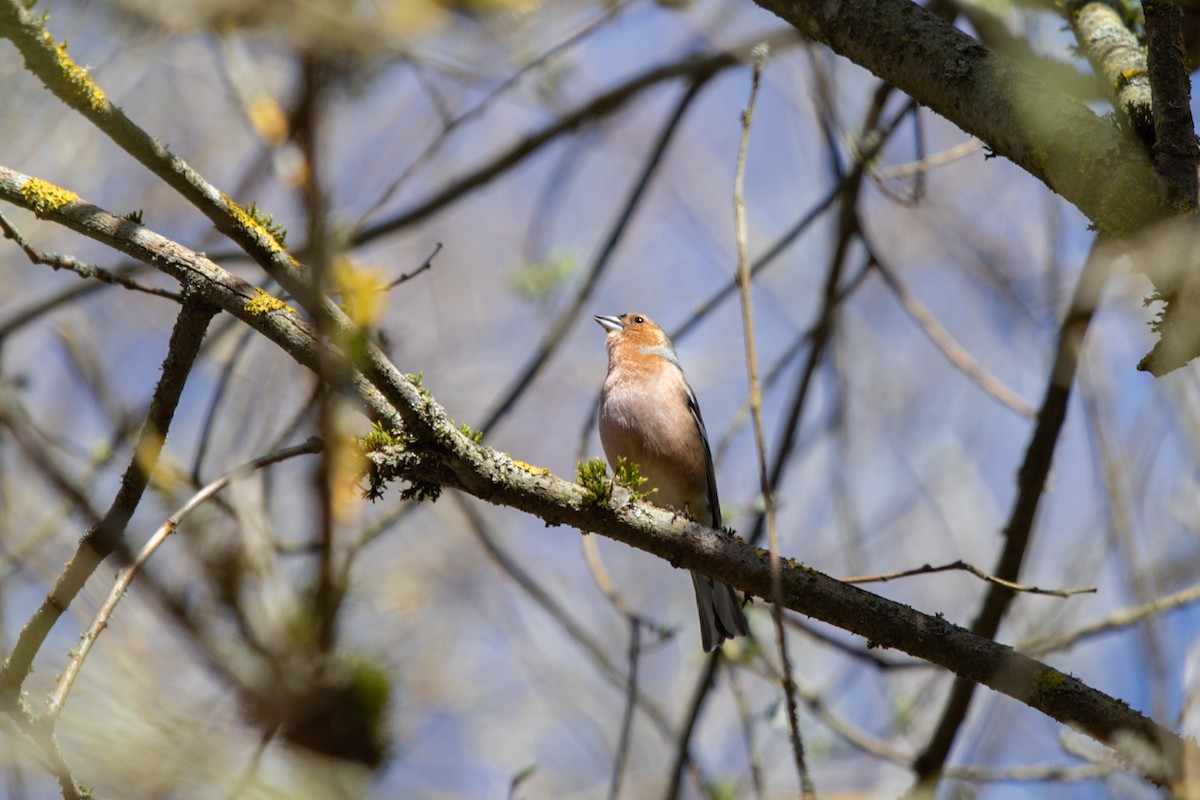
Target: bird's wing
(713, 502)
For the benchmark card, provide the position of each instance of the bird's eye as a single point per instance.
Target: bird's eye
(639, 320)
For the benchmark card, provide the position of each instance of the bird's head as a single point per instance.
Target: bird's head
(634, 330)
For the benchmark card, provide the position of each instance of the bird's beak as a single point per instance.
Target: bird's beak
(610, 324)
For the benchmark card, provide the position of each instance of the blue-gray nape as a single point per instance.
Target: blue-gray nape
(667, 351)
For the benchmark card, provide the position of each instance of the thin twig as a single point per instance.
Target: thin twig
(604, 582)
(80, 268)
(103, 538)
(56, 699)
(40, 308)
(955, 353)
(753, 754)
(1123, 618)
(926, 569)
(1031, 485)
(635, 657)
(683, 743)
(522, 775)
(1066, 773)
(408, 276)
(923, 165)
(244, 780)
(743, 274)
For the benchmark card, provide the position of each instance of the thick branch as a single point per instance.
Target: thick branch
(1099, 167)
(497, 478)
(48, 60)
(440, 454)
(1175, 151)
(1089, 161)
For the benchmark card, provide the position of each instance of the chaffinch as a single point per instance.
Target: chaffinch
(649, 416)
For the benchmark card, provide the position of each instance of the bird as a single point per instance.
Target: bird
(649, 416)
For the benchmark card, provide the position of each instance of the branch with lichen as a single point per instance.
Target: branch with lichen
(1118, 58)
(47, 59)
(416, 444)
(1103, 169)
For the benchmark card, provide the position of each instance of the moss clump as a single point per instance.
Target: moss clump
(263, 226)
(380, 437)
(45, 198)
(593, 477)
(471, 433)
(380, 473)
(629, 475)
(597, 487)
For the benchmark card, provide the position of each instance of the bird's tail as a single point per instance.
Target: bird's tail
(721, 614)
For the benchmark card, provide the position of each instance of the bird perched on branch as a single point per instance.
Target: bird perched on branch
(649, 417)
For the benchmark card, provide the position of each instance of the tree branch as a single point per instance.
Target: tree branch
(1100, 168)
(1117, 57)
(1031, 485)
(1093, 164)
(1175, 151)
(103, 538)
(435, 452)
(495, 477)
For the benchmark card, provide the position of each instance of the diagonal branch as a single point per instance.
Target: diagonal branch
(437, 453)
(48, 60)
(884, 623)
(58, 261)
(102, 539)
(1093, 164)
(929, 569)
(56, 699)
(697, 70)
(1031, 479)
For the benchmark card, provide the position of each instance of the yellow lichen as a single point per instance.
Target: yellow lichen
(532, 470)
(1048, 680)
(44, 198)
(264, 302)
(76, 76)
(249, 223)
